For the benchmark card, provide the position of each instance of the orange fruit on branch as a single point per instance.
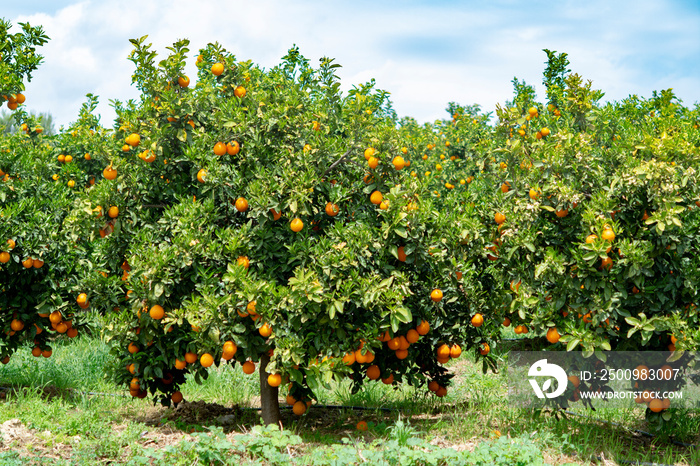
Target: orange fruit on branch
(296, 225)
(241, 204)
(217, 69)
(436, 295)
(332, 209)
(206, 360)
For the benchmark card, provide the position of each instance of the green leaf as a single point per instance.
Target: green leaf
(572, 344)
(158, 290)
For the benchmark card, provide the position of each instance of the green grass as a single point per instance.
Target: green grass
(77, 417)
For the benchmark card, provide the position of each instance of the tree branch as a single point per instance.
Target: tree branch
(340, 160)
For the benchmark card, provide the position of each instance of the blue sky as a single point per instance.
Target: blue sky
(425, 53)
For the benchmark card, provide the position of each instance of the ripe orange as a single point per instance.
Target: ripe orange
(82, 298)
(180, 364)
(376, 198)
(399, 162)
(433, 386)
(109, 173)
(423, 328)
(243, 261)
(373, 162)
(553, 335)
(239, 92)
(477, 320)
(16, 325)
(68, 159)
(241, 204)
(206, 360)
(157, 312)
(412, 336)
(534, 194)
(133, 139)
(436, 295)
(332, 209)
(591, 239)
(275, 215)
(455, 351)
(608, 235)
(349, 358)
(201, 175)
(402, 254)
(11, 244)
(369, 152)
(394, 343)
(299, 408)
(561, 213)
(373, 372)
(545, 132)
(28, 263)
(506, 322)
(401, 353)
(484, 349)
(575, 381)
(265, 330)
(217, 69)
(532, 111)
(362, 425)
(505, 187)
(219, 148)
(232, 148)
(183, 81)
(133, 348)
(443, 351)
(403, 343)
(4, 257)
(499, 218)
(274, 380)
(248, 367)
(296, 225)
(656, 405)
(388, 380)
(606, 263)
(113, 211)
(176, 397)
(442, 391)
(230, 349)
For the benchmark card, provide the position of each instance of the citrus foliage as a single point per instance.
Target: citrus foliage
(249, 214)
(262, 217)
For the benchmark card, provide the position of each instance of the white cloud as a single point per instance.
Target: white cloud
(425, 53)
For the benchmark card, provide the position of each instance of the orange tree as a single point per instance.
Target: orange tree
(261, 217)
(591, 215)
(36, 259)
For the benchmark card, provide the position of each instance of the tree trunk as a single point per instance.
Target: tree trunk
(268, 395)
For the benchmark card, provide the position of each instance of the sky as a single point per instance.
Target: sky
(425, 53)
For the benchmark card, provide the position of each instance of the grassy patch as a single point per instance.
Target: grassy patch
(61, 411)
